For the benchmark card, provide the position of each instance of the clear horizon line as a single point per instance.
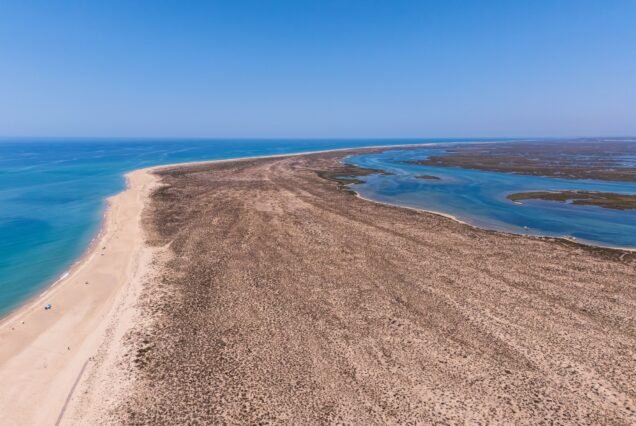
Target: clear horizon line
(88, 137)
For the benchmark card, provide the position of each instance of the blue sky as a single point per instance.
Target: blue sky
(318, 68)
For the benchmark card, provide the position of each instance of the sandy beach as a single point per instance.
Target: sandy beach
(43, 353)
(256, 290)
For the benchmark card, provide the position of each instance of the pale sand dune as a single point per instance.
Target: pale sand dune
(37, 369)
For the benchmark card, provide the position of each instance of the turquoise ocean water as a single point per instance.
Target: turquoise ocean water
(52, 195)
(479, 198)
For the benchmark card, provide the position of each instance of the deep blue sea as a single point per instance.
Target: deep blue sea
(479, 198)
(52, 195)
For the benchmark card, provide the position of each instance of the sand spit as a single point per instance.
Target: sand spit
(265, 293)
(279, 297)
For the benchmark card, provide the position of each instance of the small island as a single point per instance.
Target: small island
(347, 174)
(428, 177)
(608, 200)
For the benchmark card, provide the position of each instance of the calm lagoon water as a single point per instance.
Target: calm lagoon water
(52, 195)
(479, 198)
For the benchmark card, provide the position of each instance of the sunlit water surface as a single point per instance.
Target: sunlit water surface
(479, 198)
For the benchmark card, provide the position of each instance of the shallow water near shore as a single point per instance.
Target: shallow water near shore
(479, 198)
(52, 194)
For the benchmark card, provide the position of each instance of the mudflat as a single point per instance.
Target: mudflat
(281, 297)
(569, 159)
(608, 200)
